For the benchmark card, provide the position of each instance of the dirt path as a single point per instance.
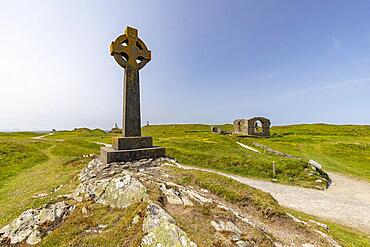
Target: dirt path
(347, 201)
(46, 135)
(103, 144)
(43, 136)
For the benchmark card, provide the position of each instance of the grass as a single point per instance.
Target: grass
(194, 145)
(15, 157)
(345, 236)
(250, 199)
(29, 167)
(230, 190)
(343, 149)
(118, 232)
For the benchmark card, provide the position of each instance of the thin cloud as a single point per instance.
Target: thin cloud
(326, 87)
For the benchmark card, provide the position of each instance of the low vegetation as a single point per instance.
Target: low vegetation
(243, 195)
(82, 229)
(31, 166)
(230, 190)
(195, 145)
(343, 149)
(344, 235)
(15, 157)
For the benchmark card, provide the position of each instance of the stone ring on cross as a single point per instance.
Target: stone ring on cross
(129, 50)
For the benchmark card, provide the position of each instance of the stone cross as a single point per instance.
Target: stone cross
(131, 53)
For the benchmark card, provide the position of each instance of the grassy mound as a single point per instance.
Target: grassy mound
(16, 157)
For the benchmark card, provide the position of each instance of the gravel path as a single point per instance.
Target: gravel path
(347, 201)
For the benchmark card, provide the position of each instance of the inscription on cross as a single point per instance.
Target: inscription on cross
(131, 53)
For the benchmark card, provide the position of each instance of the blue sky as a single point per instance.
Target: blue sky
(212, 62)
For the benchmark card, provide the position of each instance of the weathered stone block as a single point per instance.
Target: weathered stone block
(109, 154)
(134, 142)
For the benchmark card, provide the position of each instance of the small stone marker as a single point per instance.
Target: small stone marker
(131, 53)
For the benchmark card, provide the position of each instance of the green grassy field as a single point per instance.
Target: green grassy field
(29, 166)
(343, 149)
(194, 145)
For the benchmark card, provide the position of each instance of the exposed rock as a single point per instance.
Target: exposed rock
(32, 224)
(84, 210)
(171, 195)
(160, 229)
(308, 245)
(40, 195)
(135, 220)
(241, 243)
(120, 185)
(270, 150)
(197, 197)
(176, 197)
(122, 191)
(319, 224)
(234, 232)
(96, 230)
(57, 188)
(34, 238)
(118, 192)
(226, 226)
(314, 164)
(109, 184)
(325, 236)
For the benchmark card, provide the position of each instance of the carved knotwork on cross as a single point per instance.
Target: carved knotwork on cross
(130, 53)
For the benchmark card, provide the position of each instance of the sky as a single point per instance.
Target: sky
(212, 62)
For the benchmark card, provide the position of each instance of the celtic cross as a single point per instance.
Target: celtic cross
(131, 53)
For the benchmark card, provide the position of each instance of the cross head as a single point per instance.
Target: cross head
(129, 50)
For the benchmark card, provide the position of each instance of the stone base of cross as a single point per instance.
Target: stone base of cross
(131, 53)
(131, 148)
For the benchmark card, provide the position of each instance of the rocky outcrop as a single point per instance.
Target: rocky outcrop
(231, 231)
(179, 195)
(109, 185)
(120, 191)
(33, 224)
(164, 210)
(160, 229)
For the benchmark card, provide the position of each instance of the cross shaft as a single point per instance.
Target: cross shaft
(130, 53)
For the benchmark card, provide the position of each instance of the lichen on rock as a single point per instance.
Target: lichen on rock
(160, 229)
(109, 184)
(32, 224)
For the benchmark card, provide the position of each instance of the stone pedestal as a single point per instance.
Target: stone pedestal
(109, 154)
(131, 148)
(132, 142)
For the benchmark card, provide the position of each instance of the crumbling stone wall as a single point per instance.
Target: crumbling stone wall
(249, 127)
(241, 126)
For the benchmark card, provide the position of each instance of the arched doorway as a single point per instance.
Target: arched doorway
(258, 126)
